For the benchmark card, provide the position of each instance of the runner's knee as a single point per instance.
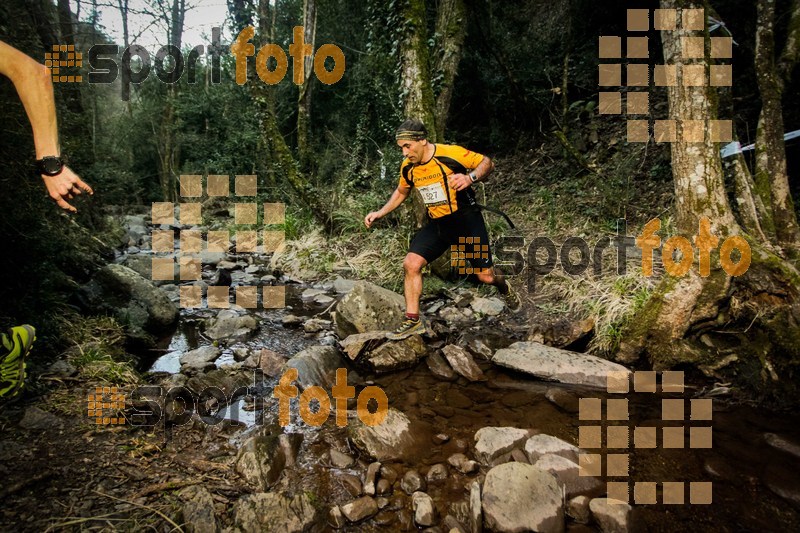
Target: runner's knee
(413, 264)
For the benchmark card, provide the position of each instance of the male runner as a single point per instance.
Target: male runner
(444, 175)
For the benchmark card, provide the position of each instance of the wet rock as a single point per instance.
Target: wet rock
(241, 353)
(198, 510)
(384, 518)
(389, 474)
(542, 444)
(308, 295)
(405, 520)
(226, 265)
(563, 399)
(440, 368)
(558, 365)
(343, 286)
(383, 487)
(316, 365)
(450, 523)
(134, 301)
(487, 306)
(323, 299)
(516, 398)
(783, 444)
(424, 511)
(335, 518)
(388, 441)
(568, 475)
(519, 497)
(314, 325)
(412, 482)
(440, 438)
(355, 345)
(475, 508)
(519, 456)
(457, 399)
(268, 361)
(395, 355)
(578, 509)
(368, 307)
(462, 463)
(369, 478)
(261, 460)
(462, 363)
(480, 349)
(491, 442)
(563, 331)
(436, 473)
(276, 512)
(200, 358)
(360, 509)
(339, 459)
(291, 321)
(35, 418)
(613, 516)
(229, 327)
(231, 383)
(382, 502)
(290, 446)
(352, 484)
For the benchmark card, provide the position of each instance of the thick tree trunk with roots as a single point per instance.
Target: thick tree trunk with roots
(304, 93)
(711, 321)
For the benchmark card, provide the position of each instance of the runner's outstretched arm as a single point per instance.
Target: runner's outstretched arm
(398, 197)
(35, 89)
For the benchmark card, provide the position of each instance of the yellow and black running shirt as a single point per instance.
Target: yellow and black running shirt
(431, 179)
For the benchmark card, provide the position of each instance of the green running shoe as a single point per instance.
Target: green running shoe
(406, 329)
(17, 343)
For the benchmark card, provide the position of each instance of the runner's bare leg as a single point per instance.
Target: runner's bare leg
(413, 265)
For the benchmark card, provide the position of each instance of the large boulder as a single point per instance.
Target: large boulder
(138, 305)
(613, 516)
(316, 365)
(273, 511)
(543, 444)
(492, 442)
(391, 440)
(198, 510)
(368, 307)
(558, 365)
(462, 362)
(568, 475)
(395, 355)
(229, 327)
(263, 457)
(518, 497)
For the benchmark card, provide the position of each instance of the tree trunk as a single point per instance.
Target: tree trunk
(415, 67)
(772, 179)
(712, 320)
(304, 96)
(451, 26)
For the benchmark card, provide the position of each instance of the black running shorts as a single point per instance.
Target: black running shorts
(463, 228)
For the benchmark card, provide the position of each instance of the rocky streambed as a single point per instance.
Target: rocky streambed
(485, 428)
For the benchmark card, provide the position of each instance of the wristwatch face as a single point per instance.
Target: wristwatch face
(50, 165)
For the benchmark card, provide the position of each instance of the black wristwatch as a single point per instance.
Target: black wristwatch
(50, 165)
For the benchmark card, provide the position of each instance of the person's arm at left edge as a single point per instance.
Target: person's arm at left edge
(35, 89)
(480, 173)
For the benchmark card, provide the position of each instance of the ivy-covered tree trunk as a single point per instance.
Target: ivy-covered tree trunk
(415, 73)
(451, 27)
(304, 96)
(772, 179)
(695, 318)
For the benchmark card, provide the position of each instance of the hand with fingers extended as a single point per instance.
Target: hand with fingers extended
(65, 186)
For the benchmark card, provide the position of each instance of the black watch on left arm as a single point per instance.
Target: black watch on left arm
(50, 165)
